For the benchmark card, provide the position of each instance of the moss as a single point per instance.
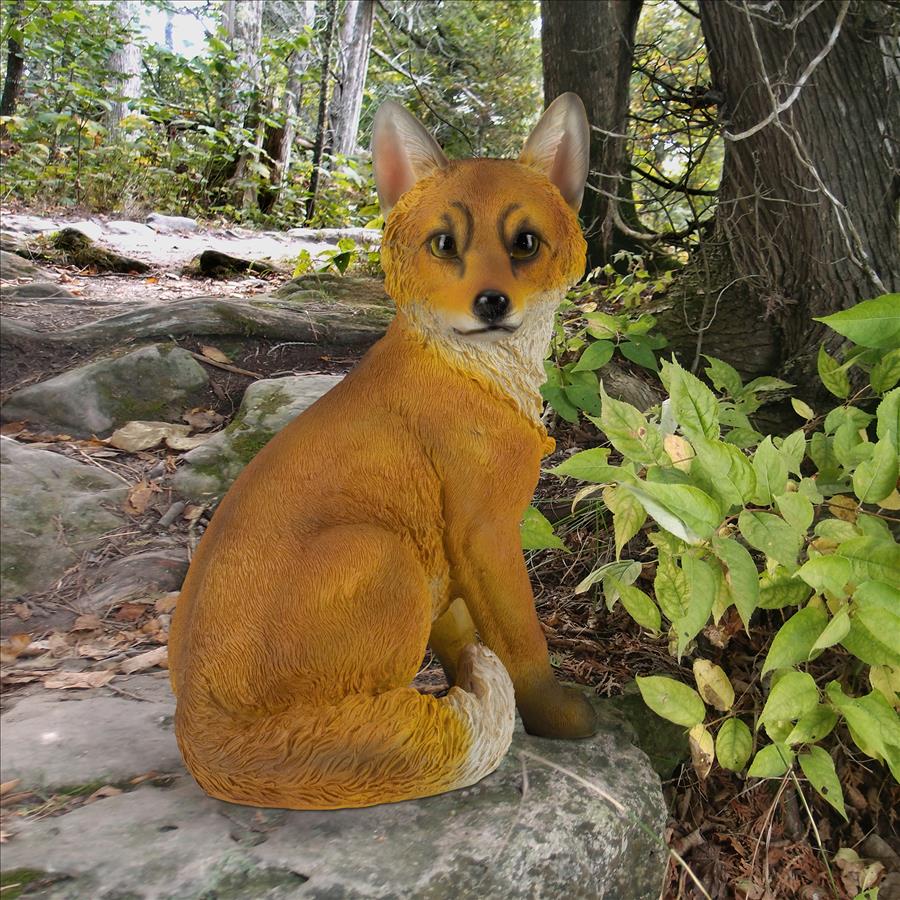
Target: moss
(246, 444)
(14, 882)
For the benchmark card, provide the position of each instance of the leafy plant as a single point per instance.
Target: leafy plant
(800, 524)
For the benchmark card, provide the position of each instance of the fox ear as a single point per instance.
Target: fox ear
(560, 145)
(402, 153)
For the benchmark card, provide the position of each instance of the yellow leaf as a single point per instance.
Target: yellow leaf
(713, 684)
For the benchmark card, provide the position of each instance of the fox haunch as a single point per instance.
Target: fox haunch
(385, 518)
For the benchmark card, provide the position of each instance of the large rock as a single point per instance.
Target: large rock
(171, 224)
(268, 405)
(540, 826)
(41, 292)
(14, 266)
(156, 383)
(53, 510)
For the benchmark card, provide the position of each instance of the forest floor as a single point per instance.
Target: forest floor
(744, 839)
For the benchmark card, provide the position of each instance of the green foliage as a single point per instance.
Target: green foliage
(799, 523)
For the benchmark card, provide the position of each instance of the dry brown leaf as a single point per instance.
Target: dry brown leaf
(214, 353)
(57, 644)
(202, 419)
(166, 603)
(102, 793)
(151, 626)
(11, 429)
(130, 612)
(87, 622)
(134, 436)
(151, 280)
(192, 513)
(14, 647)
(159, 656)
(72, 680)
(139, 497)
(22, 610)
(8, 786)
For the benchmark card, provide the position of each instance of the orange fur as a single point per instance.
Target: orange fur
(383, 517)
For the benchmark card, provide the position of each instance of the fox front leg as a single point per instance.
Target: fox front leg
(490, 574)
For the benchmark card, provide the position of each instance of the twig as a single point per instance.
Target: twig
(228, 368)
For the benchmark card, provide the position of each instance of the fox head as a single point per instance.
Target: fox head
(478, 245)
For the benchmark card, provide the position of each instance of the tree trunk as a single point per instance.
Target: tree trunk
(125, 62)
(588, 48)
(322, 121)
(243, 23)
(279, 142)
(807, 202)
(15, 63)
(352, 63)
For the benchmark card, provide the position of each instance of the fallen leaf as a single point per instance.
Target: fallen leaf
(86, 622)
(166, 603)
(22, 610)
(71, 680)
(178, 442)
(151, 626)
(139, 497)
(11, 429)
(57, 644)
(134, 436)
(202, 419)
(130, 612)
(102, 793)
(192, 513)
(7, 786)
(143, 661)
(5, 836)
(14, 647)
(214, 353)
(151, 280)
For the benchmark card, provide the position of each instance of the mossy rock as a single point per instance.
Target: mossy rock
(328, 287)
(156, 383)
(268, 405)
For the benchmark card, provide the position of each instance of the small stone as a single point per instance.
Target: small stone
(132, 229)
(53, 510)
(169, 224)
(153, 383)
(40, 291)
(268, 405)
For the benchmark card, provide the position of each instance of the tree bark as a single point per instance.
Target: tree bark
(125, 62)
(322, 122)
(352, 64)
(588, 48)
(806, 222)
(15, 64)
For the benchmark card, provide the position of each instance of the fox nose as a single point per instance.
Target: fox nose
(490, 306)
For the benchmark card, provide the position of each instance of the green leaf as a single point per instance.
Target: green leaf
(672, 700)
(795, 639)
(696, 407)
(876, 478)
(835, 631)
(628, 515)
(832, 375)
(812, 726)
(629, 431)
(796, 510)
(701, 583)
(583, 391)
(874, 725)
(639, 353)
(742, 578)
(602, 325)
(734, 744)
(723, 376)
(770, 534)
(888, 415)
(537, 533)
(886, 372)
(766, 384)
(793, 449)
(721, 470)
(777, 591)
(597, 355)
(685, 511)
(871, 559)
(617, 575)
(771, 762)
(872, 323)
(874, 635)
(818, 767)
(771, 471)
(588, 465)
(556, 397)
(873, 527)
(804, 410)
(792, 695)
(671, 588)
(626, 570)
(829, 574)
(640, 607)
(836, 530)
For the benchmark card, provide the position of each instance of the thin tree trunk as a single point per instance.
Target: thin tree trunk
(322, 121)
(15, 64)
(588, 48)
(353, 62)
(806, 222)
(125, 62)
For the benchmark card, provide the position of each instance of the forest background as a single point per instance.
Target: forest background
(742, 204)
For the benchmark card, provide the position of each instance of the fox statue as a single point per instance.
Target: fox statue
(386, 517)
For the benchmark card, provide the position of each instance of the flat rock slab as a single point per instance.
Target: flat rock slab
(155, 383)
(14, 266)
(53, 510)
(267, 406)
(538, 827)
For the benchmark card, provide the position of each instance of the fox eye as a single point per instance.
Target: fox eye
(443, 246)
(525, 245)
